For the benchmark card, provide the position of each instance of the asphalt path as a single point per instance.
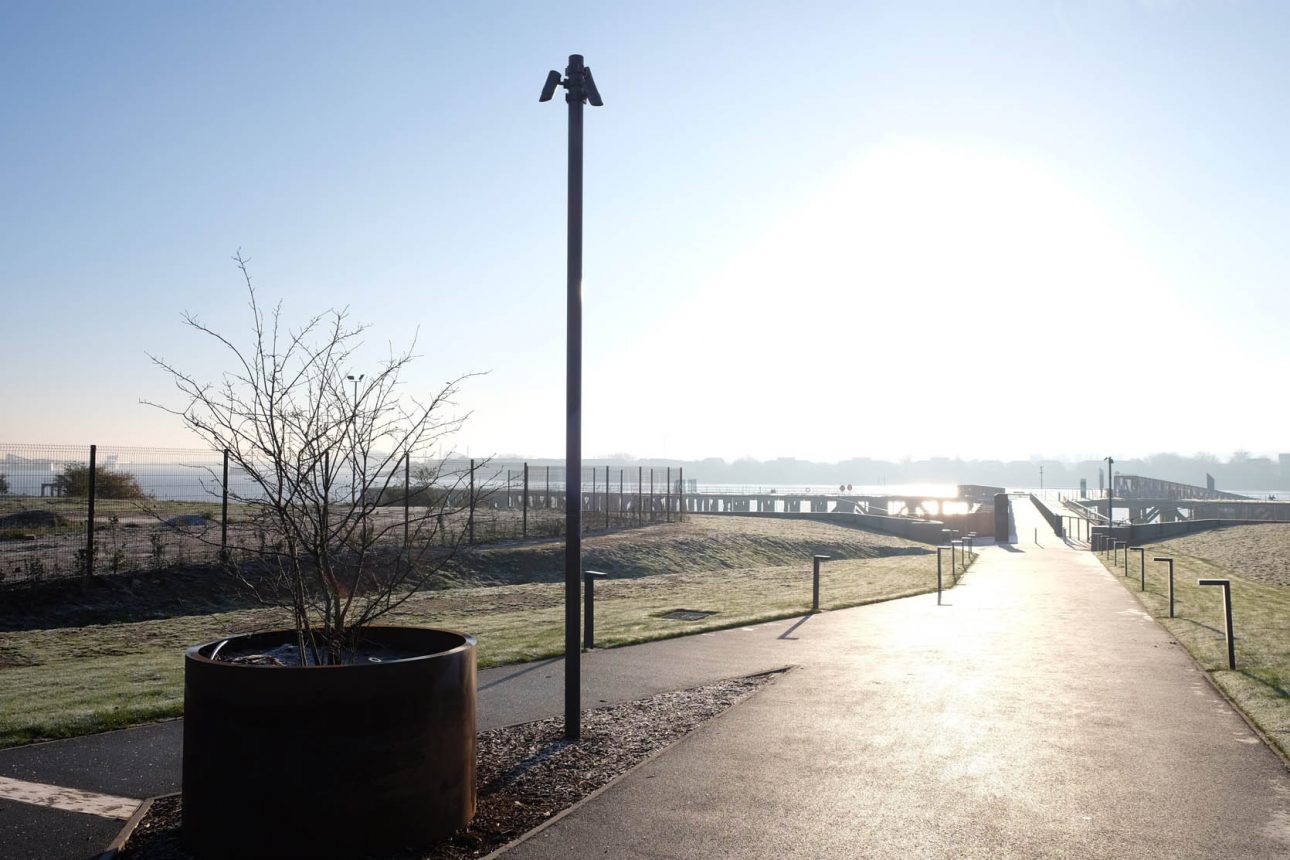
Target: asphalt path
(1042, 713)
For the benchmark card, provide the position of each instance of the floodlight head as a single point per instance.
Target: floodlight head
(589, 88)
(548, 89)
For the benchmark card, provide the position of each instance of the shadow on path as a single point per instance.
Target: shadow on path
(797, 624)
(529, 667)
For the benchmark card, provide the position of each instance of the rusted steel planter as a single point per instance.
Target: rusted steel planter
(328, 761)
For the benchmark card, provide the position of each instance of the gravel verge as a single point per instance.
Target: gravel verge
(528, 773)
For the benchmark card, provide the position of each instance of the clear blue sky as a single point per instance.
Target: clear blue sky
(819, 230)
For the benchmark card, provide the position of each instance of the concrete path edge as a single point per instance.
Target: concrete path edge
(127, 829)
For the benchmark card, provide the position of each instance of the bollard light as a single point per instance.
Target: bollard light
(1226, 585)
(1170, 561)
(815, 582)
(1142, 562)
(589, 578)
(939, 550)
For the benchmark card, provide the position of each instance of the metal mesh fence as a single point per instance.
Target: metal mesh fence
(69, 511)
(514, 500)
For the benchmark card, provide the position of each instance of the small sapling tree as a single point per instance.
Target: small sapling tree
(321, 456)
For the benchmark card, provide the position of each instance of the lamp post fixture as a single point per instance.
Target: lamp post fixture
(579, 87)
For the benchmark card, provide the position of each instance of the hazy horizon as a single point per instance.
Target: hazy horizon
(831, 230)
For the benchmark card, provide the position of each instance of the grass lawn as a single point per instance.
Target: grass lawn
(115, 657)
(1257, 560)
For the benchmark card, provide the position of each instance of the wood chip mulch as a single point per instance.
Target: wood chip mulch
(527, 773)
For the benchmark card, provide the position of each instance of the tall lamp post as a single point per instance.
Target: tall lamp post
(353, 479)
(579, 88)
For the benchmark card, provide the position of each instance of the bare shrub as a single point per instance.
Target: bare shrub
(321, 457)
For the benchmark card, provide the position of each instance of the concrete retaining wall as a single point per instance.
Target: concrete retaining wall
(924, 531)
(1164, 531)
(1054, 521)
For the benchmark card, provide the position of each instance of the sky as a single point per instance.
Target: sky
(816, 230)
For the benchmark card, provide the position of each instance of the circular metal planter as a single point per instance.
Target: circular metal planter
(329, 761)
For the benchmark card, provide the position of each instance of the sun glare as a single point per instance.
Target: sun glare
(907, 269)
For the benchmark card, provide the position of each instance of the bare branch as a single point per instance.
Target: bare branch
(295, 432)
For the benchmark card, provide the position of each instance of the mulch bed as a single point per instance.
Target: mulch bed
(527, 773)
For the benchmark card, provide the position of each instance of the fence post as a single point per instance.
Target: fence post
(223, 520)
(606, 498)
(680, 486)
(89, 523)
(326, 494)
(651, 494)
(470, 517)
(548, 488)
(620, 498)
(667, 499)
(525, 520)
(640, 494)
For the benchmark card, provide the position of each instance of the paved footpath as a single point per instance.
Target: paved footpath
(1039, 713)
